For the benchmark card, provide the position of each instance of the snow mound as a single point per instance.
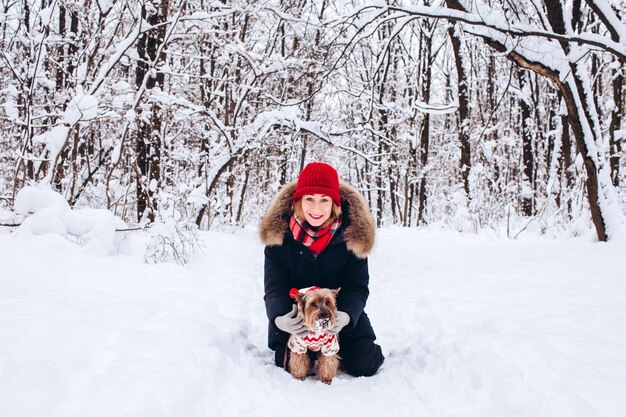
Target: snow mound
(48, 213)
(33, 199)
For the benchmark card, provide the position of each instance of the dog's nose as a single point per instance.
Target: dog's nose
(323, 314)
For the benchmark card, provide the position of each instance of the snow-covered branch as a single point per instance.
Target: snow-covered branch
(495, 22)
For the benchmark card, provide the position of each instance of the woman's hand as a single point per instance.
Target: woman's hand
(291, 323)
(340, 322)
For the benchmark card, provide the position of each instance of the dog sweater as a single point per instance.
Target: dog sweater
(323, 341)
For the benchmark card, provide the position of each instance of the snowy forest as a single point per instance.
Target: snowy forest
(475, 114)
(141, 142)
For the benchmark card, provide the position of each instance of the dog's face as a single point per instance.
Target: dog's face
(319, 308)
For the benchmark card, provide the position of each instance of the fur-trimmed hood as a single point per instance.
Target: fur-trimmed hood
(358, 235)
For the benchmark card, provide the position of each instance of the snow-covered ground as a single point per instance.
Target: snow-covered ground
(470, 325)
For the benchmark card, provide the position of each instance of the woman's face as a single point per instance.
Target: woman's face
(317, 208)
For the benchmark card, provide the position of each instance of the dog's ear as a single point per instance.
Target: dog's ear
(300, 300)
(336, 291)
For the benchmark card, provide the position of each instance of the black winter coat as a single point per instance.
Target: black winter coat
(289, 264)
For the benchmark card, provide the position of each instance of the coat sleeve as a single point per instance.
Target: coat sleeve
(277, 286)
(354, 290)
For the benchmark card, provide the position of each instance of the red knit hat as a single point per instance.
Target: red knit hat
(318, 178)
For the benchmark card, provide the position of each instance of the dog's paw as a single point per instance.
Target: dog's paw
(327, 381)
(299, 375)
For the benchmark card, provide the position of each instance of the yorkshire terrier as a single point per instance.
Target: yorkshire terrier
(318, 307)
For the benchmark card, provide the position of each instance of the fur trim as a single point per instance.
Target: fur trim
(359, 234)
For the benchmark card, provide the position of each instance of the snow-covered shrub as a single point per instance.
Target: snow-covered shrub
(171, 242)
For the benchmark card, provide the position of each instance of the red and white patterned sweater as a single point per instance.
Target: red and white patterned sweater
(326, 342)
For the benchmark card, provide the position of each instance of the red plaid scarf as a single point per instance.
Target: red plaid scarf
(315, 240)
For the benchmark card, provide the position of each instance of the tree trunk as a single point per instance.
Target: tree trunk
(528, 160)
(424, 146)
(243, 194)
(148, 146)
(463, 120)
(566, 152)
(615, 142)
(584, 124)
(379, 188)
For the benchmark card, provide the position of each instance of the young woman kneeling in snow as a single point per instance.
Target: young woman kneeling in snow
(318, 232)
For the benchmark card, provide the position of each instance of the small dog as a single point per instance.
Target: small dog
(318, 307)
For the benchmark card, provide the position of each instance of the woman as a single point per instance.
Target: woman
(318, 232)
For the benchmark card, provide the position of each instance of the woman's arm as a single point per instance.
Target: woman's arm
(277, 300)
(354, 289)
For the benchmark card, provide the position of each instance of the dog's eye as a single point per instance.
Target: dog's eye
(314, 305)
